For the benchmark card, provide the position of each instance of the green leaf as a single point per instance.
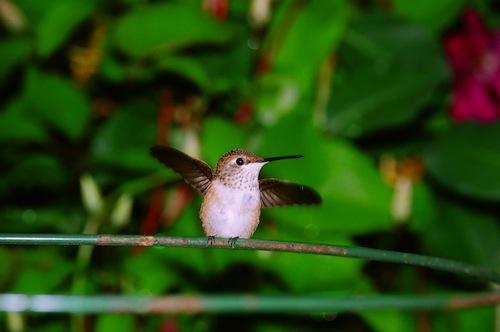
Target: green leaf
(111, 68)
(433, 14)
(44, 171)
(124, 140)
(213, 72)
(57, 102)
(188, 224)
(54, 326)
(389, 321)
(355, 199)
(229, 71)
(296, 56)
(165, 26)
(58, 22)
(34, 10)
(467, 160)
(5, 266)
(46, 219)
(114, 322)
(463, 234)
(314, 274)
(278, 95)
(12, 52)
(148, 273)
(380, 82)
(477, 319)
(423, 211)
(188, 68)
(315, 32)
(17, 125)
(41, 271)
(220, 136)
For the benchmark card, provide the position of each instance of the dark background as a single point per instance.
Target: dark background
(395, 105)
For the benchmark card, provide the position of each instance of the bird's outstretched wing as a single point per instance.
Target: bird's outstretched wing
(196, 172)
(279, 193)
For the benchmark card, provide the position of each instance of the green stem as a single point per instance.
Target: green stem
(435, 263)
(239, 303)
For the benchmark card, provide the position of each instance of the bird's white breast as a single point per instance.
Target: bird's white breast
(230, 212)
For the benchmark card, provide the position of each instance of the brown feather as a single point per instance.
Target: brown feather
(279, 193)
(197, 173)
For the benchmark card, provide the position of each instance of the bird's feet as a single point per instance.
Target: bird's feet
(232, 241)
(210, 240)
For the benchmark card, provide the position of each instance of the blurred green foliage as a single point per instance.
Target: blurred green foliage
(361, 88)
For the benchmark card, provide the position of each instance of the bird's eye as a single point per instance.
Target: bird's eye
(240, 161)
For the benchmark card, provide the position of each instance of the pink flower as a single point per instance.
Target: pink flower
(474, 56)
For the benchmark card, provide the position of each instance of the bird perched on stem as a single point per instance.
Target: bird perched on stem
(233, 192)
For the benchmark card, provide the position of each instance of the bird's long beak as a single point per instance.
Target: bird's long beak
(266, 160)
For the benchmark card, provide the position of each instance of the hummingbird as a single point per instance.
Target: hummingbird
(233, 194)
